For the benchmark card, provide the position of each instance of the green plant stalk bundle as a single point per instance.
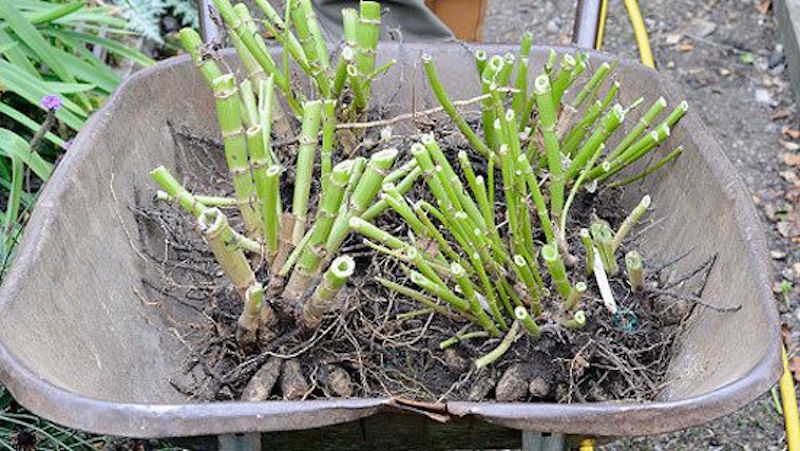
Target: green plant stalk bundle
(314, 250)
(255, 46)
(310, 37)
(234, 142)
(493, 281)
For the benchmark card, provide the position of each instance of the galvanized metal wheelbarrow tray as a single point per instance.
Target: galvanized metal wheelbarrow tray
(78, 347)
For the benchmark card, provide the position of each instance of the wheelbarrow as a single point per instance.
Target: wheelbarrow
(80, 348)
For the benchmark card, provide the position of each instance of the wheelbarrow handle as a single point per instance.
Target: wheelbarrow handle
(208, 28)
(587, 23)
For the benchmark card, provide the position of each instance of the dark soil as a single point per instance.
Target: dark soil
(364, 349)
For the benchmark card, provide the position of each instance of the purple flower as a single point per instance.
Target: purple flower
(51, 102)
(67, 144)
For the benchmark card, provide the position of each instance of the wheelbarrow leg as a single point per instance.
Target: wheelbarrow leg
(240, 442)
(536, 441)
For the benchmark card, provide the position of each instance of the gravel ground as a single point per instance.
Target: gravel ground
(726, 57)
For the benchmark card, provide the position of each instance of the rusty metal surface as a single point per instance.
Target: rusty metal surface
(80, 348)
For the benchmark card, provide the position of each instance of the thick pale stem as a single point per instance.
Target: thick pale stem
(564, 78)
(326, 151)
(578, 321)
(357, 87)
(322, 300)
(208, 201)
(633, 263)
(633, 218)
(176, 191)
(575, 296)
(234, 142)
(588, 246)
(367, 33)
(305, 166)
(521, 84)
(522, 315)
(219, 236)
(285, 245)
(555, 266)
(480, 61)
(340, 76)
(193, 44)
(250, 319)
(271, 210)
(307, 28)
(248, 108)
(547, 123)
(376, 234)
(266, 103)
(256, 73)
(603, 238)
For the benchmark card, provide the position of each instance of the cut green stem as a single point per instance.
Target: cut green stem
(305, 165)
(219, 236)
(630, 221)
(635, 268)
(322, 300)
(501, 349)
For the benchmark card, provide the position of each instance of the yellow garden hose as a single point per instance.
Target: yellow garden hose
(640, 33)
(601, 26)
(789, 405)
(786, 384)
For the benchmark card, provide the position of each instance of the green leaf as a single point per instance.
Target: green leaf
(17, 56)
(746, 58)
(26, 199)
(13, 146)
(36, 42)
(5, 398)
(7, 46)
(67, 88)
(29, 123)
(33, 91)
(15, 192)
(56, 13)
(87, 67)
(113, 47)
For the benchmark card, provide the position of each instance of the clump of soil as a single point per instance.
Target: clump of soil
(374, 344)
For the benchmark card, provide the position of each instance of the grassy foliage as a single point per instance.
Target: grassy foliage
(49, 49)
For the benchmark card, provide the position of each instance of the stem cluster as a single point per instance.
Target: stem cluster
(510, 271)
(299, 245)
